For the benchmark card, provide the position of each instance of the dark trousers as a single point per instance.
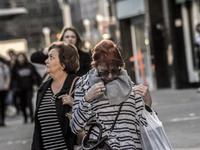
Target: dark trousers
(26, 101)
(2, 106)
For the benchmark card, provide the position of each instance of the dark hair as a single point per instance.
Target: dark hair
(107, 52)
(11, 52)
(25, 59)
(68, 56)
(79, 42)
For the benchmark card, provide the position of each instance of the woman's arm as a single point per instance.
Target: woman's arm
(81, 112)
(39, 57)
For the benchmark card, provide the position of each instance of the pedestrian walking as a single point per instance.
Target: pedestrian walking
(71, 36)
(4, 87)
(54, 102)
(25, 76)
(106, 96)
(13, 104)
(197, 53)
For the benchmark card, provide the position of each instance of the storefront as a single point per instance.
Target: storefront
(135, 41)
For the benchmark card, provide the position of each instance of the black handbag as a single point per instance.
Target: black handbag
(101, 142)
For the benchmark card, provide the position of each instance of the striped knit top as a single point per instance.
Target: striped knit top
(125, 135)
(52, 137)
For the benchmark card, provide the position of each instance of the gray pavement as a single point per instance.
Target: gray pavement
(177, 109)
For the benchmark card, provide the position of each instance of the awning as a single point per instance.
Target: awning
(9, 13)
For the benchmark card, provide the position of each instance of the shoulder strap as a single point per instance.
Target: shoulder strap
(72, 86)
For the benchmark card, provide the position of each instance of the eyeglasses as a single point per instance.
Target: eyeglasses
(106, 72)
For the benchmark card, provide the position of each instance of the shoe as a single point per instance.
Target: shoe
(2, 124)
(198, 90)
(25, 121)
(32, 119)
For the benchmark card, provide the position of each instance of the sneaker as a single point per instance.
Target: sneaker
(2, 124)
(198, 90)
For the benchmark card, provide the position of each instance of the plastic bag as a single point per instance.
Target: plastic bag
(153, 136)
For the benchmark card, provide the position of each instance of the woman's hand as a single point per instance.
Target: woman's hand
(67, 99)
(144, 92)
(95, 91)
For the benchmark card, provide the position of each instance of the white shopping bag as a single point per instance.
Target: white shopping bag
(153, 136)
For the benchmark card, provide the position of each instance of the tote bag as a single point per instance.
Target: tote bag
(153, 136)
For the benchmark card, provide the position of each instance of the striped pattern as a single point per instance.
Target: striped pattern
(125, 135)
(50, 128)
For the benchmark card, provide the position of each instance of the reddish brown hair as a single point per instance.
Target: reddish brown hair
(107, 52)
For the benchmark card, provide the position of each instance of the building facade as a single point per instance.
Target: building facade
(29, 26)
(162, 34)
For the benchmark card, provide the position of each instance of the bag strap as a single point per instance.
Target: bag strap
(100, 139)
(72, 86)
(120, 107)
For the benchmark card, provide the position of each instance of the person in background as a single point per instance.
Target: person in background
(4, 87)
(24, 75)
(12, 57)
(12, 101)
(100, 93)
(197, 53)
(70, 36)
(53, 104)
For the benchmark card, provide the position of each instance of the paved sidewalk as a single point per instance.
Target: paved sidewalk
(168, 102)
(173, 94)
(179, 111)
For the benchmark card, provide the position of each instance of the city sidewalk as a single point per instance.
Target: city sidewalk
(179, 111)
(17, 135)
(162, 95)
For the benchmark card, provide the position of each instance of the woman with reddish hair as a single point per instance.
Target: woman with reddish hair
(105, 105)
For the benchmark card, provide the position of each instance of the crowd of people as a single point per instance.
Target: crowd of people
(83, 96)
(18, 76)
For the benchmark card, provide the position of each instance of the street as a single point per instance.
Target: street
(177, 109)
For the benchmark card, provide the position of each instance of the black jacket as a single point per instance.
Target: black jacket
(84, 60)
(24, 77)
(70, 138)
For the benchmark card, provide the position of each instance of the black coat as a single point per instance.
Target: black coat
(24, 77)
(84, 60)
(70, 138)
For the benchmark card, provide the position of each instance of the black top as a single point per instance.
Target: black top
(84, 59)
(24, 77)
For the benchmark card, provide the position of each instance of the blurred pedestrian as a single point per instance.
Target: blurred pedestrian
(24, 75)
(13, 104)
(197, 52)
(12, 57)
(71, 36)
(99, 95)
(53, 105)
(4, 87)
